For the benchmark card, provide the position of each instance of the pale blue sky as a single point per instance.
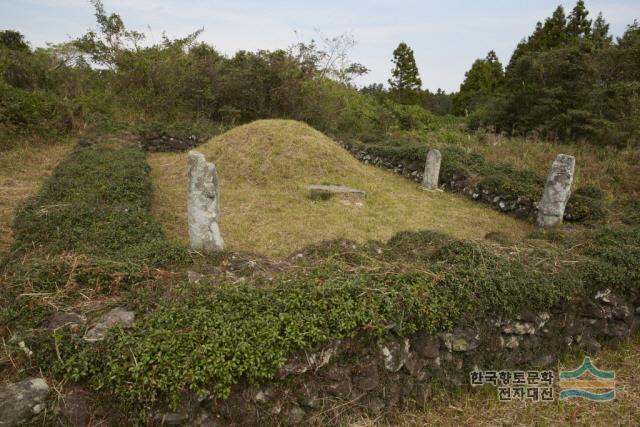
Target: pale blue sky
(447, 36)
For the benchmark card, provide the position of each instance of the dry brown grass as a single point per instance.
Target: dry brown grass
(264, 168)
(616, 171)
(22, 170)
(480, 407)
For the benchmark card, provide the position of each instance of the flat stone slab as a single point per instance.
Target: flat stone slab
(336, 189)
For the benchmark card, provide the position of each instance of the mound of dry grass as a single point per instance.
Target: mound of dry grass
(264, 168)
(616, 171)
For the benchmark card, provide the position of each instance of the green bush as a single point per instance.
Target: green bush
(26, 112)
(586, 204)
(410, 117)
(614, 260)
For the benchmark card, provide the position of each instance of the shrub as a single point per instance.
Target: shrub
(410, 117)
(586, 204)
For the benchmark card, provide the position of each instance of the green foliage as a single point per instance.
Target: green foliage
(567, 81)
(481, 82)
(586, 204)
(410, 117)
(13, 40)
(41, 96)
(614, 260)
(55, 91)
(24, 112)
(578, 25)
(104, 213)
(405, 79)
(208, 338)
(504, 180)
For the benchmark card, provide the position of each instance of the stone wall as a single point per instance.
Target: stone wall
(359, 376)
(521, 207)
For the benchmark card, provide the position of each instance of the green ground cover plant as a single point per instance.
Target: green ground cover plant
(206, 337)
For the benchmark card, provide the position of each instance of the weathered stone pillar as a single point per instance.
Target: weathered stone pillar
(556, 191)
(202, 204)
(432, 170)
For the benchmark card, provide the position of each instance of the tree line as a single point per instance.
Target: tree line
(569, 80)
(111, 77)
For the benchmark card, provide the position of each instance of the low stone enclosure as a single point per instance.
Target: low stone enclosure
(358, 376)
(519, 206)
(203, 195)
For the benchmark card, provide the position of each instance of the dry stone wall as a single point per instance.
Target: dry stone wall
(521, 207)
(371, 377)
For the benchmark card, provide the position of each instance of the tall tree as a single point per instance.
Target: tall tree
(551, 34)
(13, 40)
(405, 79)
(555, 29)
(480, 83)
(579, 26)
(600, 33)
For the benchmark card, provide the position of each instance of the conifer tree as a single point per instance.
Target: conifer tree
(551, 34)
(555, 29)
(405, 79)
(481, 82)
(600, 33)
(579, 26)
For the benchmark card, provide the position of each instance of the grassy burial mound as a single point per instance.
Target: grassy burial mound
(264, 170)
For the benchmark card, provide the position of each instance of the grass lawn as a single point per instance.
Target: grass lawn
(264, 168)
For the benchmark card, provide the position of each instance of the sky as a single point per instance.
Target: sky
(446, 36)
